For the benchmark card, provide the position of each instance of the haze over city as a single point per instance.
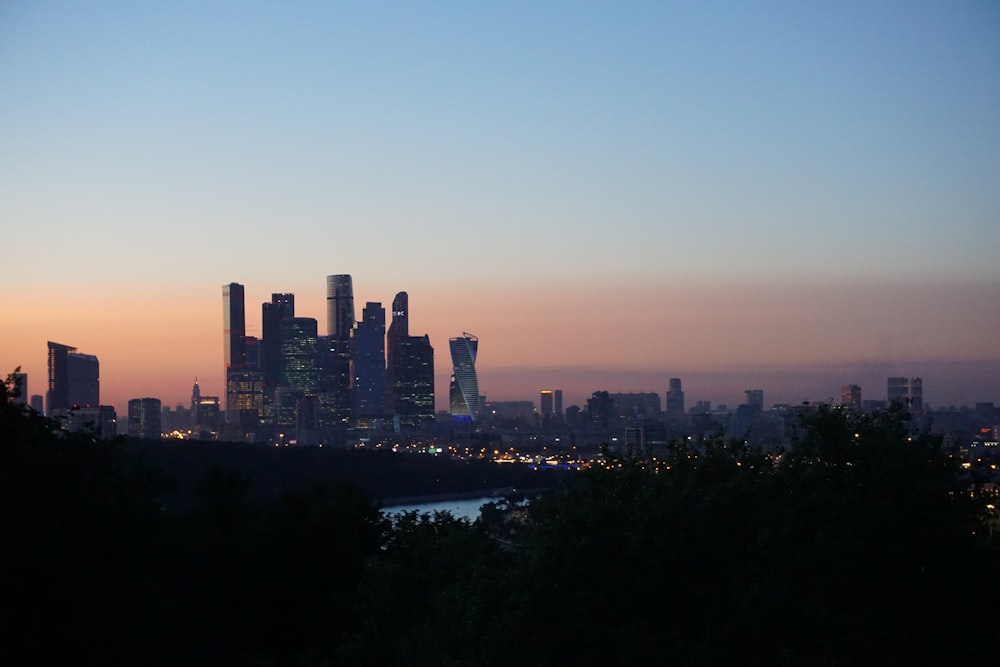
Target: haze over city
(790, 196)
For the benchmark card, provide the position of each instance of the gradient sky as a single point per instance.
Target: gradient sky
(785, 195)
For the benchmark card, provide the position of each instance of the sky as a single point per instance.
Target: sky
(791, 196)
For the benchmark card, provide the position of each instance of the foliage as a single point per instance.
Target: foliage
(859, 544)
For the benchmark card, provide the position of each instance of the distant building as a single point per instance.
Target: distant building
(281, 307)
(907, 391)
(233, 326)
(850, 397)
(675, 399)
(522, 410)
(639, 406)
(234, 351)
(755, 398)
(339, 306)
(38, 403)
(413, 381)
(546, 403)
(600, 410)
(145, 418)
(74, 378)
(399, 327)
(369, 363)
(299, 356)
(558, 394)
(464, 389)
(100, 420)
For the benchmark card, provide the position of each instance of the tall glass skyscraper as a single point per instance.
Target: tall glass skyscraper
(369, 363)
(399, 328)
(339, 306)
(234, 325)
(464, 383)
(413, 381)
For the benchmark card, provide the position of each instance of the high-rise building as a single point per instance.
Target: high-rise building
(559, 403)
(755, 398)
(299, 354)
(337, 353)
(84, 373)
(850, 397)
(281, 307)
(369, 363)
(57, 396)
(413, 381)
(898, 390)
(233, 325)
(234, 350)
(675, 399)
(38, 403)
(145, 418)
(339, 306)
(546, 398)
(399, 327)
(464, 390)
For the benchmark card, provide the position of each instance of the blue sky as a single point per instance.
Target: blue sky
(534, 152)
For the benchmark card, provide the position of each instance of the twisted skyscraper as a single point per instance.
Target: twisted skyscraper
(464, 383)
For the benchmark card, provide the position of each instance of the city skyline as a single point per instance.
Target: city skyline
(793, 197)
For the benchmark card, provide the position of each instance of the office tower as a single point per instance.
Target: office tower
(38, 403)
(898, 390)
(100, 420)
(637, 405)
(20, 389)
(281, 307)
(545, 403)
(145, 418)
(399, 327)
(233, 325)
(675, 399)
(207, 413)
(464, 390)
(337, 353)
(244, 397)
(57, 395)
(850, 397)
(339, 306)
(235, 352)
(299, 342)
(600, 410)
(369, 362)
(84, 374)
(413, 381)
(916, 395)
(335, 381)
(559, 403)
(755, 398)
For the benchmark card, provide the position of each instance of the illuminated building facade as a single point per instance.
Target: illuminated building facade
(464, 389)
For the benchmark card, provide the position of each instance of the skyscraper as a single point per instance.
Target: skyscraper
(545, 403)
(339, 306)
(369, 363)
(675, 399)
(299, 355)
(916, 395)
(145, 418)
(850, 397)
(399, 328)
(233, 325)
(464, 390)
(281, 307)
(336, 350)
(57, 396)
(413, 381)
(898, 390)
